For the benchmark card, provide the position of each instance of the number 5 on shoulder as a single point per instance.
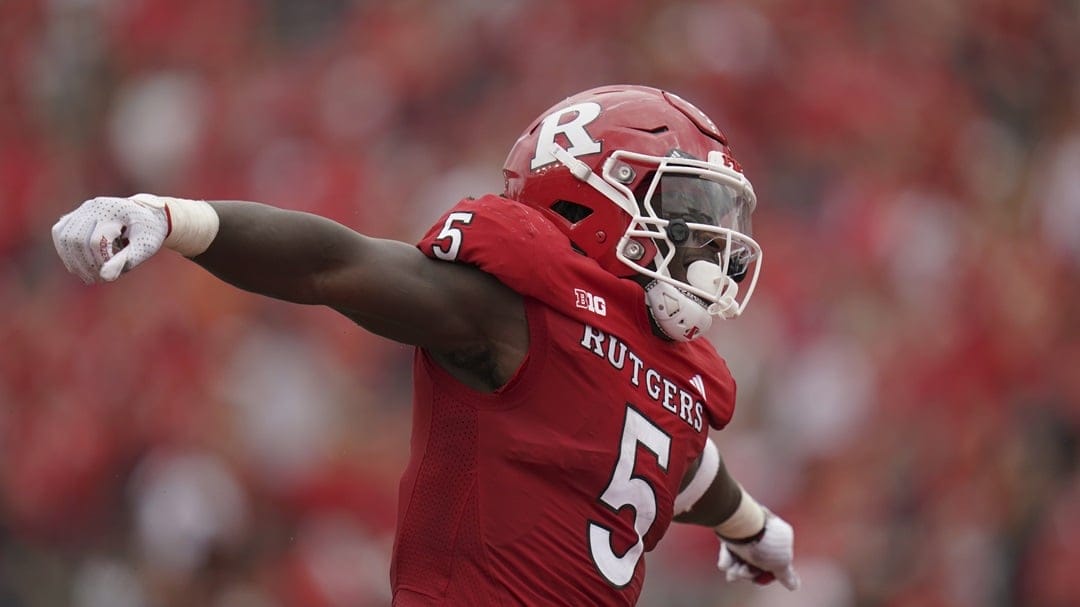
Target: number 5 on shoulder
(453, 233)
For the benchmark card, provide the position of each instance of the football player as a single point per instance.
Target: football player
(563, 396)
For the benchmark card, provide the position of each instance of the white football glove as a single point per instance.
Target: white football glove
(765, 559)
(107, 236)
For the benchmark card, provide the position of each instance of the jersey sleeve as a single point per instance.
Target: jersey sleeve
(722, 409)
(720, 387)
(504, 238)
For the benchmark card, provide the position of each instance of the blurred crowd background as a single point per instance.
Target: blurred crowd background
(909, 369)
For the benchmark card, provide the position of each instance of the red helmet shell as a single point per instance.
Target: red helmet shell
(590, 126)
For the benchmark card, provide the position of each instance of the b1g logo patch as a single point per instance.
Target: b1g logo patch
(569, 122)
(590, 302)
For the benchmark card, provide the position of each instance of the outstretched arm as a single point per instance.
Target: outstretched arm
(390, 288)
(387, 286)
(754, 543)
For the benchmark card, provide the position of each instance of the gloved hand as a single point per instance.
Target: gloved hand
(764, 559)
(107, 236)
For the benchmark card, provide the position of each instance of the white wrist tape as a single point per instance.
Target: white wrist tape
(193, 223)
(747, 519)
(703, 478)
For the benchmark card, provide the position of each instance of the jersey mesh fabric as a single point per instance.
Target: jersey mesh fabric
(429, 505)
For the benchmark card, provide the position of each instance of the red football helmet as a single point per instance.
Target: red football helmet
(631, 172)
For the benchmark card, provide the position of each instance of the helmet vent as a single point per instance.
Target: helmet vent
(571, 211)
(653, 131)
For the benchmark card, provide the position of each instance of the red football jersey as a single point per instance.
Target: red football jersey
(550, 490)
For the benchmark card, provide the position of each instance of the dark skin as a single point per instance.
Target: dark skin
(472, 325)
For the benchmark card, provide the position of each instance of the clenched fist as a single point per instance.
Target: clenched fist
(766, 558)
(107, 236)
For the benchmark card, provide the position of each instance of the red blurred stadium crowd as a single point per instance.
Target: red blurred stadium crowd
(909, 370)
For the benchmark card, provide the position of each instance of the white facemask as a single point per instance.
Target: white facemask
(682, 309)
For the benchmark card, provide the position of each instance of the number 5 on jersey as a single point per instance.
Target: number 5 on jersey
(625, 489)
(451, 233)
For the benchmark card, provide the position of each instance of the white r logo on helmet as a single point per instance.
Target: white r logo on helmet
(581, 142)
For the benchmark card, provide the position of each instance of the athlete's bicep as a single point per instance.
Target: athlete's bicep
(394, 290)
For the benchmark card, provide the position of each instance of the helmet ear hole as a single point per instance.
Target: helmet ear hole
(571, 211)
